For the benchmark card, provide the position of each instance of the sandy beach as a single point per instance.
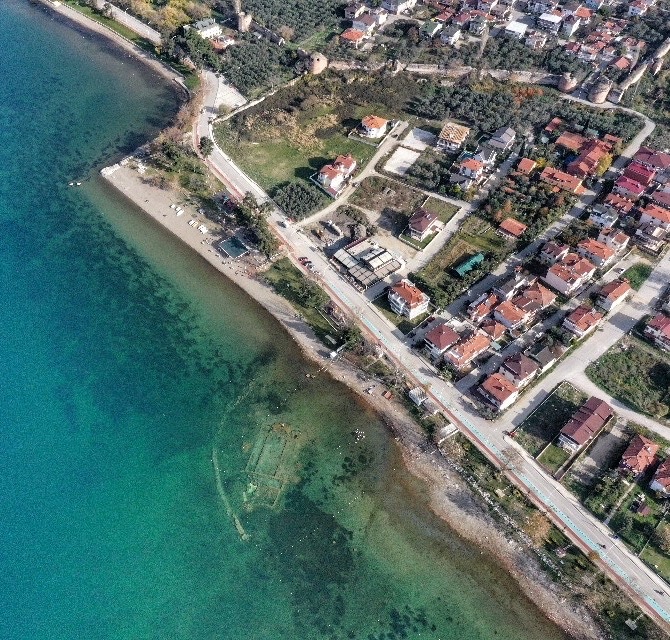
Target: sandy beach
(450, 497)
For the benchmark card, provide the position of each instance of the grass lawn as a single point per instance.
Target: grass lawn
(636, 374)
(635, 528)
(418, 245)
(543, 425)
(376, 193)
(275, 161)
(658, 560)
(403, 324)
(445, 210)
(553, 458)
(474, 235)
(286, 279)
(637, 274)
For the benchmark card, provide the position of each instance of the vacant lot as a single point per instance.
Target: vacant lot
(378, 194)
(445, 210)
(287, 148)
(636, 375)
(543, 425)
(637, 274)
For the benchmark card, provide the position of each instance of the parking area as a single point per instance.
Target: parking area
(401, 160)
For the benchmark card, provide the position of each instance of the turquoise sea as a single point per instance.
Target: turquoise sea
(127, 365)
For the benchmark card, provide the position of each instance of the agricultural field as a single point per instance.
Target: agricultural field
(636, 374)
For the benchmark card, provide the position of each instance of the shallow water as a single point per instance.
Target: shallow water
(127, 363)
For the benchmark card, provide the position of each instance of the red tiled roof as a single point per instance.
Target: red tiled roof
(472, 164)
(347, 161)
(409, 293)
(561, 180)
(640, 454)
(632, 186)
(510, 312)
(662, 475)
(352, 35)
(584, 318)
(656, 159)
(442, 336)
(468, 349)
(658, 213)
(595, 248)
(499, 387)
(615, 289)
(661, 324)
(618, 202)
(554, 123)
(572, 141)
(422, 219)
(493, 328)
(587, 420)
(639, 172)
(373, 122)
(513, 227)
(526, 166)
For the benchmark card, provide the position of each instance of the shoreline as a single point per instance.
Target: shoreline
(92, 26)
(471, 522)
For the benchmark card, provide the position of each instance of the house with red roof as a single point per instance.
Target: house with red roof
(373, 127)
(585, 424)
(640, 173)
(353, 37)
(613, 293)
(493, 328)
(658, 216)
(613, 238)
(620, 204)
(591, 156)
(332, 177)
(571, 141)
(526, 166)
(639, 456)
(561, 180)
(661, 197)
(658, 331)
(628, 188)
(508, 314)
(582, 321)
(534, 298)
(481, 307)
(598, 253)
(439, 339)
(464, 352)
(661, 480)
(519, 369)
(656, 160)
(407, 300)
(422, 224)
(553, 252)
(471, 168)
(499, 391)
(512, 228)
(569, 274)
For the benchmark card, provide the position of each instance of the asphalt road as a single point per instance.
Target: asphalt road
(586, 531)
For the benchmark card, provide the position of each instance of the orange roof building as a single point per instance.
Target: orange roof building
(582, 320)
(639, 456)
(526, 166)
(512, 227)
(499, 391)
(465, 351)
(407, 300)
(562, 180)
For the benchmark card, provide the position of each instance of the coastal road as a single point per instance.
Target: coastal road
(585, 530)
(131, 22)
